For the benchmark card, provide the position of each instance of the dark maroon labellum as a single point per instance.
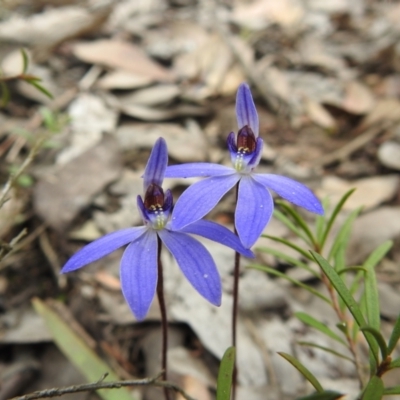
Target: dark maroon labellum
(154, 197)
(246, 141)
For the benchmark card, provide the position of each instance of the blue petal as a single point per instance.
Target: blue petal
(191, 170)
(156, 165)
(217, 233)
(231, 143)
(200, 198)
(196, 264)
(101, 247)
(253, 210)
(139, 273)
(292, 191)
(246, 112)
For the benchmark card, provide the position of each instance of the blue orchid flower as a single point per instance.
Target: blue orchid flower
(138, 272)
(254, 201)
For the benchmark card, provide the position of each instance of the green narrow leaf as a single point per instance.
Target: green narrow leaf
(395, 363)
(392, 390)
(289, 244)
(34, 82)
(5, 94)
(325, 395)
(327, 349)
(342, 237)
(394, 337)
(299, 220)
(351, 269)
(273, 271)
(351, 304)
(225, 374)
(303, 370)
(374, 389)
(371, 287)
(379, 339)
(335, 213)
(288, 259)
(25, 60)
(288, 223)
(320, 220)
(80, 355)
(311, 321)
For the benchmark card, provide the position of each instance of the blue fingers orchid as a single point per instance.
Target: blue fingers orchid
(138, 271)
(254, 203)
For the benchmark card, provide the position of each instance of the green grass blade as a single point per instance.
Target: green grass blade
(25, 61)
(374, 389)
(320, 220)
(342, 237)
(395, 363)
(352, 269)
(371, 287)
(303, 370)
(273, 271)
(225, 374)
(392, 390)
(288, 259)
(5, 94)
(75, 349)
(311, 321)
(325, 395)
(288, 243)
(38, 86)
(379, 339)
(335, 213)
(327, 349)
(394, 337)
(351, 304)
(289, 224)
(299, 220)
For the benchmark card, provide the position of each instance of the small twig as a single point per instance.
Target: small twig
(356, 144)
(16, 244)
(53, 259)
(13, 178)
(86, 387)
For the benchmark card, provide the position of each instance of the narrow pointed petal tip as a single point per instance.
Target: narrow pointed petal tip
(102, 247)
(246, 112)
(292, 191)
(156, 165)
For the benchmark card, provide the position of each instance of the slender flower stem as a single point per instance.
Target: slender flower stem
(236, 272)
(164, 322)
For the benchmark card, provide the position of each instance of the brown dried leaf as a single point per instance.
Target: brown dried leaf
(385, 110)
(184, 145)
(358, 98)
(122, 55)
(63, 192)
(320, 115)
(51, 26)
(121, 79)
(154, 114)
(259, 14)
(155, 95)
